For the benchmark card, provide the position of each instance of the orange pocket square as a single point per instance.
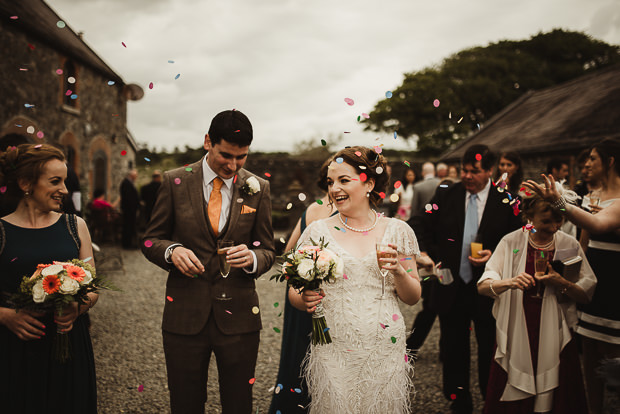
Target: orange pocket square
(247, 210)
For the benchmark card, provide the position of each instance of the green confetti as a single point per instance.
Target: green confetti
(276, 329)
(319, 202)
(393, 339)
(358, 118)
(275, 305)
(188, 169)
(426, 278)
(323, 142)
(407, 164)
(279, 314)
(409, 270)
(337, 228)
(515, 251)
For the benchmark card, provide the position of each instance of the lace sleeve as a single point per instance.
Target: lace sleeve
(404, 238)
(310, 233)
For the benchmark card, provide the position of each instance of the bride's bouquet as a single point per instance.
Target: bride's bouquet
(54, 286)
(305, 268)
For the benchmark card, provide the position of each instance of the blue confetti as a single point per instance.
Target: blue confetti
(298, 390)
(388, 94)
(395, 135)
(444, 185)
(339, 160)
(111, 83)
(29, 105)
(177, 77)
(74, 96)
(147, 159)
(325, 330)
(171, 61)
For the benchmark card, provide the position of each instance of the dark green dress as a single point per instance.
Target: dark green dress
(31, 380)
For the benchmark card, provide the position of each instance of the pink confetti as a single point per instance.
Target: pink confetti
(148, 243)
(13, 259)
(267, 175)
(378, 149)
(177, 181)
(349, 101)
(123, 152)
(365, 115)
(256, 243)
(169, 298)
(123, 43)
(345, 277)
(435, 207)
(3, 189)
(359, 154)
(38, 146)
(397, 184)
(436, 103)
(382, 325)
(451, 240)
(151, 85)
(395, 317)
(69, 92)
(140, 388)
(40, 134)
(363, 177)
(58, 71)
(252, 380)
(228, 312)
(478, 157)
(14, 17)
(382, 194)
(406, 358)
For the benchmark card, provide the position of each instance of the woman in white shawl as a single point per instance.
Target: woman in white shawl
(536, 364)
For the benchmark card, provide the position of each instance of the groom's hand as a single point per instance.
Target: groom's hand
(240, 256)
(186, 261)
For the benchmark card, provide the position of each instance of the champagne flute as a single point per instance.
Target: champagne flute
(222, 249)
(383, 251)
(541, 261)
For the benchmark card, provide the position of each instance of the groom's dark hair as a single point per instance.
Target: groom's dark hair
(232, 126)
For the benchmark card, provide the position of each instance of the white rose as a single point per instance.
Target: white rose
(253, 185)
(339, 268)
(304, 269)
(69, 286)
(88, 278)
(323, 265)
(52, 270)
(38, 293)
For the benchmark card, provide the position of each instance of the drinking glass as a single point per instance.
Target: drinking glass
(595, 198)
(222, 249)
(476, 246)
(383, 251)
(541, 260)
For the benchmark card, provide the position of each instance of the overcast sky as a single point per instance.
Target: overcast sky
(289, 64)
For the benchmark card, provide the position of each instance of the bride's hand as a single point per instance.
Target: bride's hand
(312, 299)
(393, 264)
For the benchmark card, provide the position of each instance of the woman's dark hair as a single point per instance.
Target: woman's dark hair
(98, 193)
(24, 163)
(608, 149)
(415, 175)
(322, 181)
(367, 162)
(517, 178)
(534, 204)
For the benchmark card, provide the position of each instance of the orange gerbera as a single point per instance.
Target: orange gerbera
(75, 272)
(51, 284)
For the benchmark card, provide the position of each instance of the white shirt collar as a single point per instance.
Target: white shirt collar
(209, 175)
(482, 194)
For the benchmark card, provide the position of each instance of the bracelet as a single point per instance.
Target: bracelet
(563, 291)
(559, 204)
(493, 291)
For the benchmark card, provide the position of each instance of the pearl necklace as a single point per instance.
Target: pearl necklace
(541, 247)
(360, 230)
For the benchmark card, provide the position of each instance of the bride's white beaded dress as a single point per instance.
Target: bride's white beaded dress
(365, 369)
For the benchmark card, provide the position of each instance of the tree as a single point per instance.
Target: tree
(441, 105)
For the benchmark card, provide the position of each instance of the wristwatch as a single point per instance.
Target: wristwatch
(168, 254)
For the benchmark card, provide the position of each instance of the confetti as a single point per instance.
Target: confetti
(505, 201)
(407, 163)
(30, 130)
(345, 277)
(252, 380)
(282, 240)
(110, 83)
(277, 330)
(14, 17)
(451, 240)
(379, 170)
(340, 160)
(60, 24)
(177, 181)
(74, 96)
(289, 206)
(188, 169)
(436, 103)
(268, 175)
(395, 135)
(147, 159)
(444, 185)
(388, 94)
(393, 339)
(3, 189)
(302, 197)
(169, 298)
(363, 177)
(171, 61)
(319, 202)
(31, 46)
(40, 134)
(255, 311)
(515, 251)
(378, 150)
(58, 71)
(140, 388)
(406, 358)
(178, 76)
(275, 305)
(278, 388)
(382, 195)
(359, 154)
(29, 105)
(382, 325)
(228, 312)
(148, 243)
(38, 146)
(428, 207)
(325, 330)
(256, 243)
(453, 396)
(397, 184)
(460, 120)
(323, 142)
(365, 115)
(478, 157)
(394, 198)
(123, 43)
(298, 390)
(435, 207)
(151, 85)
(123, 152)
(395, 317)
(349, 101)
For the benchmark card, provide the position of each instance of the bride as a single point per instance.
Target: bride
(365, 368)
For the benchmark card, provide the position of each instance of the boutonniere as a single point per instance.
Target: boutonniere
(251, 186)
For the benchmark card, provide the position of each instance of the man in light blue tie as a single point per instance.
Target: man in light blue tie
(471, 210)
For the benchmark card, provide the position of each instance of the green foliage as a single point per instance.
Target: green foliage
(477, 83)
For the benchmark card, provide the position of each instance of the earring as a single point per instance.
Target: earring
(26, 193)
(368, 194)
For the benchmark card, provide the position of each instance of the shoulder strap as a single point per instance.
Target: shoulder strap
(73, 229)
(2, 237)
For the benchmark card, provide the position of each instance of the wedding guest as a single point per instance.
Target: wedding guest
(31, 379)
(130, 201)
(148, 194)
(536, 364)
(297, 324)
(365, 368)
(405, 194)
(453, 174)
(558, 168)
(442, 170)
(510, 163)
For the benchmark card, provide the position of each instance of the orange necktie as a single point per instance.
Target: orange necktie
(214, 208)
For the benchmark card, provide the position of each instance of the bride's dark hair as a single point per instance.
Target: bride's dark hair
(366, 160)
(24, 163)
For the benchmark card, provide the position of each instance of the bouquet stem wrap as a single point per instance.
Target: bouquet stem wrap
(320, 331)
(62, 350)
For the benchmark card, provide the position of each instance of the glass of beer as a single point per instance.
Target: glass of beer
(222, 250)
(476, 246)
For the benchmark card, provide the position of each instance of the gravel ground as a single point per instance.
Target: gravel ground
(131, 371)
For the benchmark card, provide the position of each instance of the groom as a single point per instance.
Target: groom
(197, 205)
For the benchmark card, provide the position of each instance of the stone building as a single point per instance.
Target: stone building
(57, 90)
(557, 122)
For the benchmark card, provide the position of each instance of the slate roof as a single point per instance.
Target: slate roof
(563, 118)
(37, 19)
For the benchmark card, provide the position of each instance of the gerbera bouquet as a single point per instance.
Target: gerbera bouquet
(54, 286)
(306, 268)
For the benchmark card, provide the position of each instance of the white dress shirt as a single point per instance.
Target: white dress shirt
(483, 195)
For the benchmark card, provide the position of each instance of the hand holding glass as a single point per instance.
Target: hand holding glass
(222, 249)
(383, 252)
(540, 266)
